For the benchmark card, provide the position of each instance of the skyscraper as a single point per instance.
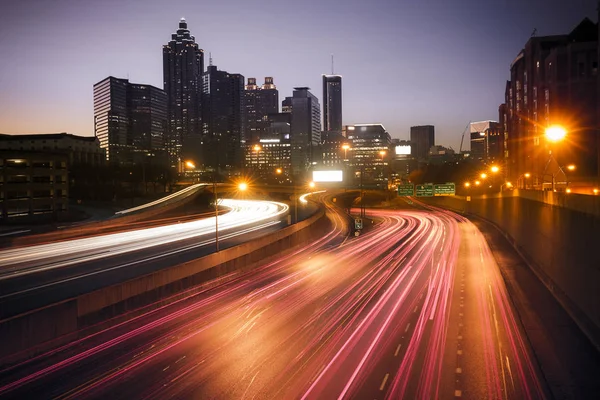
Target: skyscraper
(130, 119)
(222, 119)
(183, 65)
(305, 129)
(332, 103)
(422, 138)
(260, 101)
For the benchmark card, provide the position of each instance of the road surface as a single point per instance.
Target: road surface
(416, 308)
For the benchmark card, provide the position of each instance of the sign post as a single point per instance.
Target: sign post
(445, 189)
(358, 224)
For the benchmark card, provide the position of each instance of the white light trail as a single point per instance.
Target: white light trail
(27, 260)
(186, 191)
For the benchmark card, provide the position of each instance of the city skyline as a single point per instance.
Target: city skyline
(470, 85)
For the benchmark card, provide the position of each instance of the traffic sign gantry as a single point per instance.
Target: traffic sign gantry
(445, 189)
(406, 189)
(425, 190)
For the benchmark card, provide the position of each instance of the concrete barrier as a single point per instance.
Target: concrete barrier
(558, 235)
(28, 334)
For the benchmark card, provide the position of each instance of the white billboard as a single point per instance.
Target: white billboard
(328, 176)
(403, 150)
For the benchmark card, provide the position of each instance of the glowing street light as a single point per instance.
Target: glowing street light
(190, 164)
(568, 190)
(596, 191)
(483, 175)
(555, 133)
(527, 175)
(257, 147)
(494, 169)
(278, 171)
(477, 183)
(467, 184)
(311, 185)
(571, 167)
(243, 186)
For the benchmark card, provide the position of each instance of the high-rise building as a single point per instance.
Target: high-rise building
(422, 137)
(130, 119)
(222, 119)
(286, 105)
(369, 154)
(260, 101)
(553, 82)
(306, 129)
(183, 65)
(487, 142)
(332, 103)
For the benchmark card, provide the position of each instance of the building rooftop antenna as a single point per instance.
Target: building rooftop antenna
(210, 59)
(332, 64)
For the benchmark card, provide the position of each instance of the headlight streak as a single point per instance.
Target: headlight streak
(324, 319)
(186, 191)
(28, 260)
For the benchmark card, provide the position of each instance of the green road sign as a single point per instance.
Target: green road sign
(425, 190)
(407, 189)
(445, 189)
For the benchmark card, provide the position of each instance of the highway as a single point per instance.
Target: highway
(34, 276)
(415, 308)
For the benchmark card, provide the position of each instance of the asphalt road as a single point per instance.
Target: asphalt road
(35, 276)
(416, 308)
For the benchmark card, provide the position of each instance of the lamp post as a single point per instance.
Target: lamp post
(345, 147)
(554, 134)
(382, 153)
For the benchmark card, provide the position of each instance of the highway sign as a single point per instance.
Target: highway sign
(406, 189)
(425, 190)
(445, 189)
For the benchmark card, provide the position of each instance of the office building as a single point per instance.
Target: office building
(286, 105)
(260, 101)
(183, 65)
(34, 185)
(222, 120)
(402, 163)
(487, 142)
(422, 138)
(130, 120)
(441, 155)
(305, 129)
(369, 157)
(332, 103)
(79, 150)
(553, 81)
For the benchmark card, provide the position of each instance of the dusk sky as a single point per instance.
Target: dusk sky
(403, 62)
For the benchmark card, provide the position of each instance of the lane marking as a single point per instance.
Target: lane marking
(457, 393)
(415, 310)
(397, 350)
(459, 352)
(459, 370)
(459, 337)
(385, 378)
(407, 326)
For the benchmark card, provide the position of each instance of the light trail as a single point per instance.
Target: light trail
(32, 259)
(181, 193)
(366, 319)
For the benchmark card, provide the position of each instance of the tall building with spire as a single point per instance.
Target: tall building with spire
(183, 65)
(332, 103)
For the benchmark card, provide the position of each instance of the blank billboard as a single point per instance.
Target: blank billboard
(403, 150)
(328, 176)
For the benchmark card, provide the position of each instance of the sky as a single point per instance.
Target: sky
(403, 62)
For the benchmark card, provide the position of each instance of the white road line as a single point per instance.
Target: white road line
(415, 310)
(459, 352)
(385, 378)
(407, 326)
(459, 370)
(457, 393)
(397, 350)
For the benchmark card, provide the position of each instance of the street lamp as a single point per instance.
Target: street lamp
(483, 175)
(243, 186)
(477, 183)
(382, 153)
(555, 133)
(467, 184)
(345, 147)
(494, 169)
(311, 185)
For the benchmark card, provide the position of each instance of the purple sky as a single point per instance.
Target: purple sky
(404, 62)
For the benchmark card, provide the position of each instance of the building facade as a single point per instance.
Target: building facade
(553, 81)
(260, 101)
(487, 142)
(130, 120)
(332, 103)
(305, 129)
(422, 138)
(78, 149)
(369, 155)
(222, 120)
(33, 185)
(183, 65)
